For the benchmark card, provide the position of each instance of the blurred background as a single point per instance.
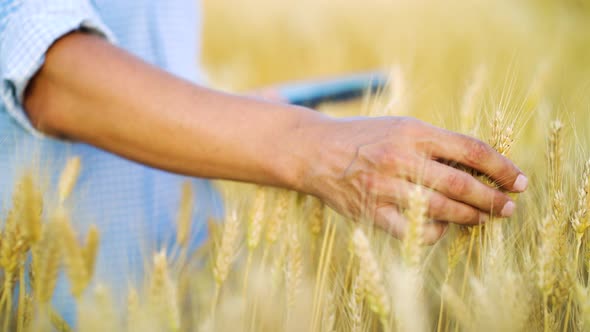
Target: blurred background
(254, 43)
(520, 57)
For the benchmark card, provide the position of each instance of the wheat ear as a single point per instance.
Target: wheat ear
(549, 232)
(73, 256)
(294, 270)
(316, 215)
(47, 256)
(68, 178)
(12, 248)
(163, 292)
(580, 221)
(555, 156)
(12, 255)
(27, 204)
(185, 215)
(227, 250)
(413, 243)
(371, 277)
(31, 209)
(279, 217)
(90, 250)
(255, 223)
(225, 256)
(502, 134)
(355, 305)
(132, 310)
(256, 219)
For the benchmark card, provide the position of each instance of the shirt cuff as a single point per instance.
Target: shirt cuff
(24, 42)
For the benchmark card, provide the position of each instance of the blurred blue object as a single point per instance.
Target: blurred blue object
(312, 93)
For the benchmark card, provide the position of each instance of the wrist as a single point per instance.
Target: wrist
(299, 149)
(319, 153)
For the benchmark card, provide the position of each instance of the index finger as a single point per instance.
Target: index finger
(481, 157)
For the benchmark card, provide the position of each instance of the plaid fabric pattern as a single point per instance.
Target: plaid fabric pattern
(134, 206)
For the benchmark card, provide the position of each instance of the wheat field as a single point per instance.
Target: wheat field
(515, 74)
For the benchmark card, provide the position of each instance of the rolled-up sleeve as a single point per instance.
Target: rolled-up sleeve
(27, 29)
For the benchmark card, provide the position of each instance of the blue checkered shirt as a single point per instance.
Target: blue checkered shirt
(134, 206)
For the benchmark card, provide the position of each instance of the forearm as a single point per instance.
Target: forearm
(93, 92)
(369, 168)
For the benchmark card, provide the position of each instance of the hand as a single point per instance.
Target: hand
(366, 167)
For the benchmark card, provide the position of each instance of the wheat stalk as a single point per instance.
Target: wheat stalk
(458, 246)
(330, 308)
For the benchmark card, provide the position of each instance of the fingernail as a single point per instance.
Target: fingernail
(508, 209)
(521, 183)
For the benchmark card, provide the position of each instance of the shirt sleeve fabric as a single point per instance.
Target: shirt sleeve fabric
(28, 28)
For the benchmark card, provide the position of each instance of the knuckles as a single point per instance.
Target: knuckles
(457, 184)
(407, 127)
(476, 152)
(387, 159)
(437, 206)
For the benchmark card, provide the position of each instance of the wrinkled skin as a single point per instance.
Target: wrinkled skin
(374, 164)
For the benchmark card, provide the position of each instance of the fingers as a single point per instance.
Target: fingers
(434, 231)
(389, 219)
(392, 221)
(481, 157)
(440, 207)
(461, 186)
